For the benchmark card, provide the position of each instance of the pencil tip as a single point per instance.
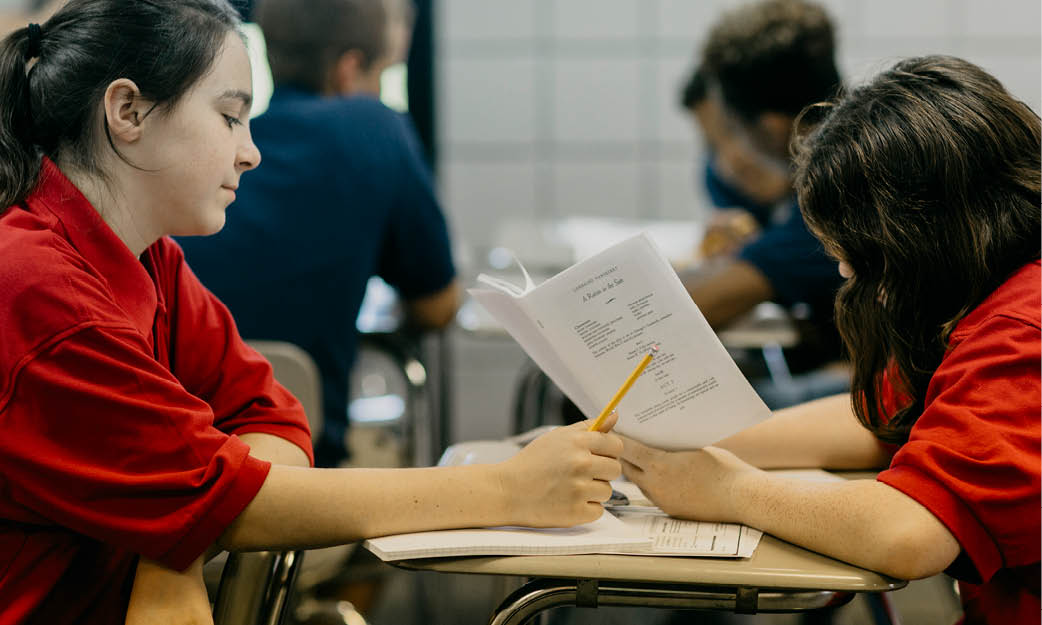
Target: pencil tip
(654, 348)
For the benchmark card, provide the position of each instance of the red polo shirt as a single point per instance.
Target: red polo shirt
(973, 457)
(123, 383)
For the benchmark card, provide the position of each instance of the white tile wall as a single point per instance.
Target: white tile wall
(596, 100)
(493, 20)
(595, 19)
(585, 188)
(674, 123)
(1003, 18)
(478, 193)
(557, 107)
(681, 192)
(901, 18)
(684, 19)
(483, 100)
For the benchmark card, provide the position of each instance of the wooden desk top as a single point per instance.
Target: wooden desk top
(775, 565)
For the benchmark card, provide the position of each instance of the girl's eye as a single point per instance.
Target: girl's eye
(232, 121)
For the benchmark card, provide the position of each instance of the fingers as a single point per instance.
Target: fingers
(609, 422)
(608, 445)
(637, 454)
(598, 491)
(605, 468)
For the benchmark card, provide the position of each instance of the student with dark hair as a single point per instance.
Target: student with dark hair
(139, 430)
(343, 195)
(760, 65)
(924, 185)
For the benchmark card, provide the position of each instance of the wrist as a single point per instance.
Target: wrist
(503, 499)
(747, 488)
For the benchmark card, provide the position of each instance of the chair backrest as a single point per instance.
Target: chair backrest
(296, 370)
(255, 587)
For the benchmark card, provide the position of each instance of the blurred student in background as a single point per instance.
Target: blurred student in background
(343, 194)
(761, 64)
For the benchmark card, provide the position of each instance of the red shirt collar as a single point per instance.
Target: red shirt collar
(80, 224)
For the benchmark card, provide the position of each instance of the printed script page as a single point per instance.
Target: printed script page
(604, 314)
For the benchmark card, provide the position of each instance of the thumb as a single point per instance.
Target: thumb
(609, 421)
(606, 426)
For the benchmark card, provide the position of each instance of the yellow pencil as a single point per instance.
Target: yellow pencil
(619, 394)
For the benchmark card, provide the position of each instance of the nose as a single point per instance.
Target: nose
(247, 156)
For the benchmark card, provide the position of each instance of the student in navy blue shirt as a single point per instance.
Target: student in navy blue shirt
(342, 194)
(761, 64)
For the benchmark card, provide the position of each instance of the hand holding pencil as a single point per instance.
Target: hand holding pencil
(619, 394)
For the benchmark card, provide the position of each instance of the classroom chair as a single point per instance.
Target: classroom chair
(256, 588)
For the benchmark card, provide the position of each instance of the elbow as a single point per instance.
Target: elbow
(436, 311)
(917, 554)
(232, 539)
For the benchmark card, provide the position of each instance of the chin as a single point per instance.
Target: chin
(214, 225)
(211, 224)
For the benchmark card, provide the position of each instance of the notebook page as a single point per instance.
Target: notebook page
(606, 534)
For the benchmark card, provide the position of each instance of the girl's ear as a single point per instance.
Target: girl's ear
(125, 109)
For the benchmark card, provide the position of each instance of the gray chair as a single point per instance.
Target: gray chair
(256, 588)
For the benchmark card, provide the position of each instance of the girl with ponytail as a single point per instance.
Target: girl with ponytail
(139, 430)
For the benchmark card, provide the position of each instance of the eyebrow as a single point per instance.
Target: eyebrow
(237, 94)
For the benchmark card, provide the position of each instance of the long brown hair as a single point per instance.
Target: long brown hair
(926, 181)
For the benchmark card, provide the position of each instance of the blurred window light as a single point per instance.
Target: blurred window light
(394, 90)
(262, 82)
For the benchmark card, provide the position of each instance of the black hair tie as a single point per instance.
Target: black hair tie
(35, 41)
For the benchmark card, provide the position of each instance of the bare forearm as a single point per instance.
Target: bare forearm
(275, 449)
(727, 290)
(863, 522)
(161, 596)
(822, 433)
(319, 507)
(557, 480)
(436, 310)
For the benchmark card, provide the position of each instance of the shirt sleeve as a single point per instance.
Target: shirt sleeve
(416, 258)
(795, 263)
(101, 439)
(213, 362)
(973, 457)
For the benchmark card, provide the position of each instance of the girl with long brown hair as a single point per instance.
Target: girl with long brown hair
(924, 184)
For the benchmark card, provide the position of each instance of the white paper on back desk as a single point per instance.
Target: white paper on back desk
(588, 326)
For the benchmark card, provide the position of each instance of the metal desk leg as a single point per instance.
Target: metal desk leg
(543, 594)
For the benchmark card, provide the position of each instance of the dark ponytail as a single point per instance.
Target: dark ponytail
(20, 160)
(164, 46)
